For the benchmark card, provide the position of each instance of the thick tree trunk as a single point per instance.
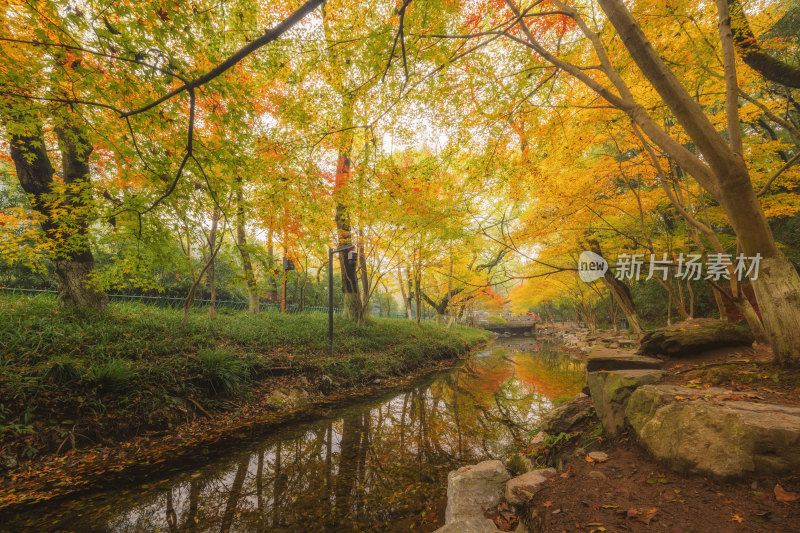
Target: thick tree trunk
(723, 172)
(67, 233)
(352, 300)
(340, 66)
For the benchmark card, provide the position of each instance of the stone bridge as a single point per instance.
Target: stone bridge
(525, 328)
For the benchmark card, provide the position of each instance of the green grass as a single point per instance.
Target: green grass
(136, 363)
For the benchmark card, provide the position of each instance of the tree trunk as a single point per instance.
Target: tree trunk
(724, 173)
(365, 288)
(72, 255)
(247, 265)
(612, 315)
(303, 289)
(756, 57)
(212, 268)
(187, 302)
(341, 187)
(352, 302)
(404, 294)
(620, 292)
(723, 314)
(418, 292)
(273, 285)
(677, 300)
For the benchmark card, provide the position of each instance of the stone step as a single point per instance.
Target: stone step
(472, 489)
(601, 358)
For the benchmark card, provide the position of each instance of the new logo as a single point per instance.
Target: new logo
(591, 266)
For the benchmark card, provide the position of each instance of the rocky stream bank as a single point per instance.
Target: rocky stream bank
(690, 428)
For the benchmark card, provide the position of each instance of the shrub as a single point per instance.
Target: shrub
(114, 375)
(62, 370)
(221, 370)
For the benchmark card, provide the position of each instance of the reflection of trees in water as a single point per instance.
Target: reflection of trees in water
(375, 467)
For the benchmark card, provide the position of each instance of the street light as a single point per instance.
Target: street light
(288, 265)
(351, 253)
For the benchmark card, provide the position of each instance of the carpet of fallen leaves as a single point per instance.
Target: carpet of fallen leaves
(150, 455)
(625, 490)
(631, 492)
(748, 371)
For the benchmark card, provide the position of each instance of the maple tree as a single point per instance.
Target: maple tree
(468, 151)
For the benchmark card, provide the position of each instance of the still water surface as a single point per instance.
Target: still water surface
(379, 465)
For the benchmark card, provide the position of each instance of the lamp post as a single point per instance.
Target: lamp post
(288, 265)
(351, 252)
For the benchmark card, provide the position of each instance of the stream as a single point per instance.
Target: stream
(375, 465)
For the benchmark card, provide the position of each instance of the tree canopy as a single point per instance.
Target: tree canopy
(469, 151)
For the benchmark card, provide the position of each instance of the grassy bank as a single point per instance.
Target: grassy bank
(76, 379)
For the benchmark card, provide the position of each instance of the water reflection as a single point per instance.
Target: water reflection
(378, 466)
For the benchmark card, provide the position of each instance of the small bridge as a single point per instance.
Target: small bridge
(526, 328)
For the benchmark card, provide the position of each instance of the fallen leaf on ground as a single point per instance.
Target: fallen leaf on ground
(597, 457)
(548, 503)
(737, 518)
(785, 496)
(649, 515)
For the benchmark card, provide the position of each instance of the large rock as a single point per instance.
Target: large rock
(565, 416)
(470, 525)
(601, 358)
(473, 489)
(522, 488)
(642, 405)
(694, 336)
(287, 398)
(703, 432)
(610, 392)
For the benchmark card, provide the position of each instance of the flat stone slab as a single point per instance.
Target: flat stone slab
(601, 358)
(473, 489)
(708, 431)
(522, 488)
(646, 403)
(694, 336)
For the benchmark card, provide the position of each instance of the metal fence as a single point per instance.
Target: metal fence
(176, 302)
